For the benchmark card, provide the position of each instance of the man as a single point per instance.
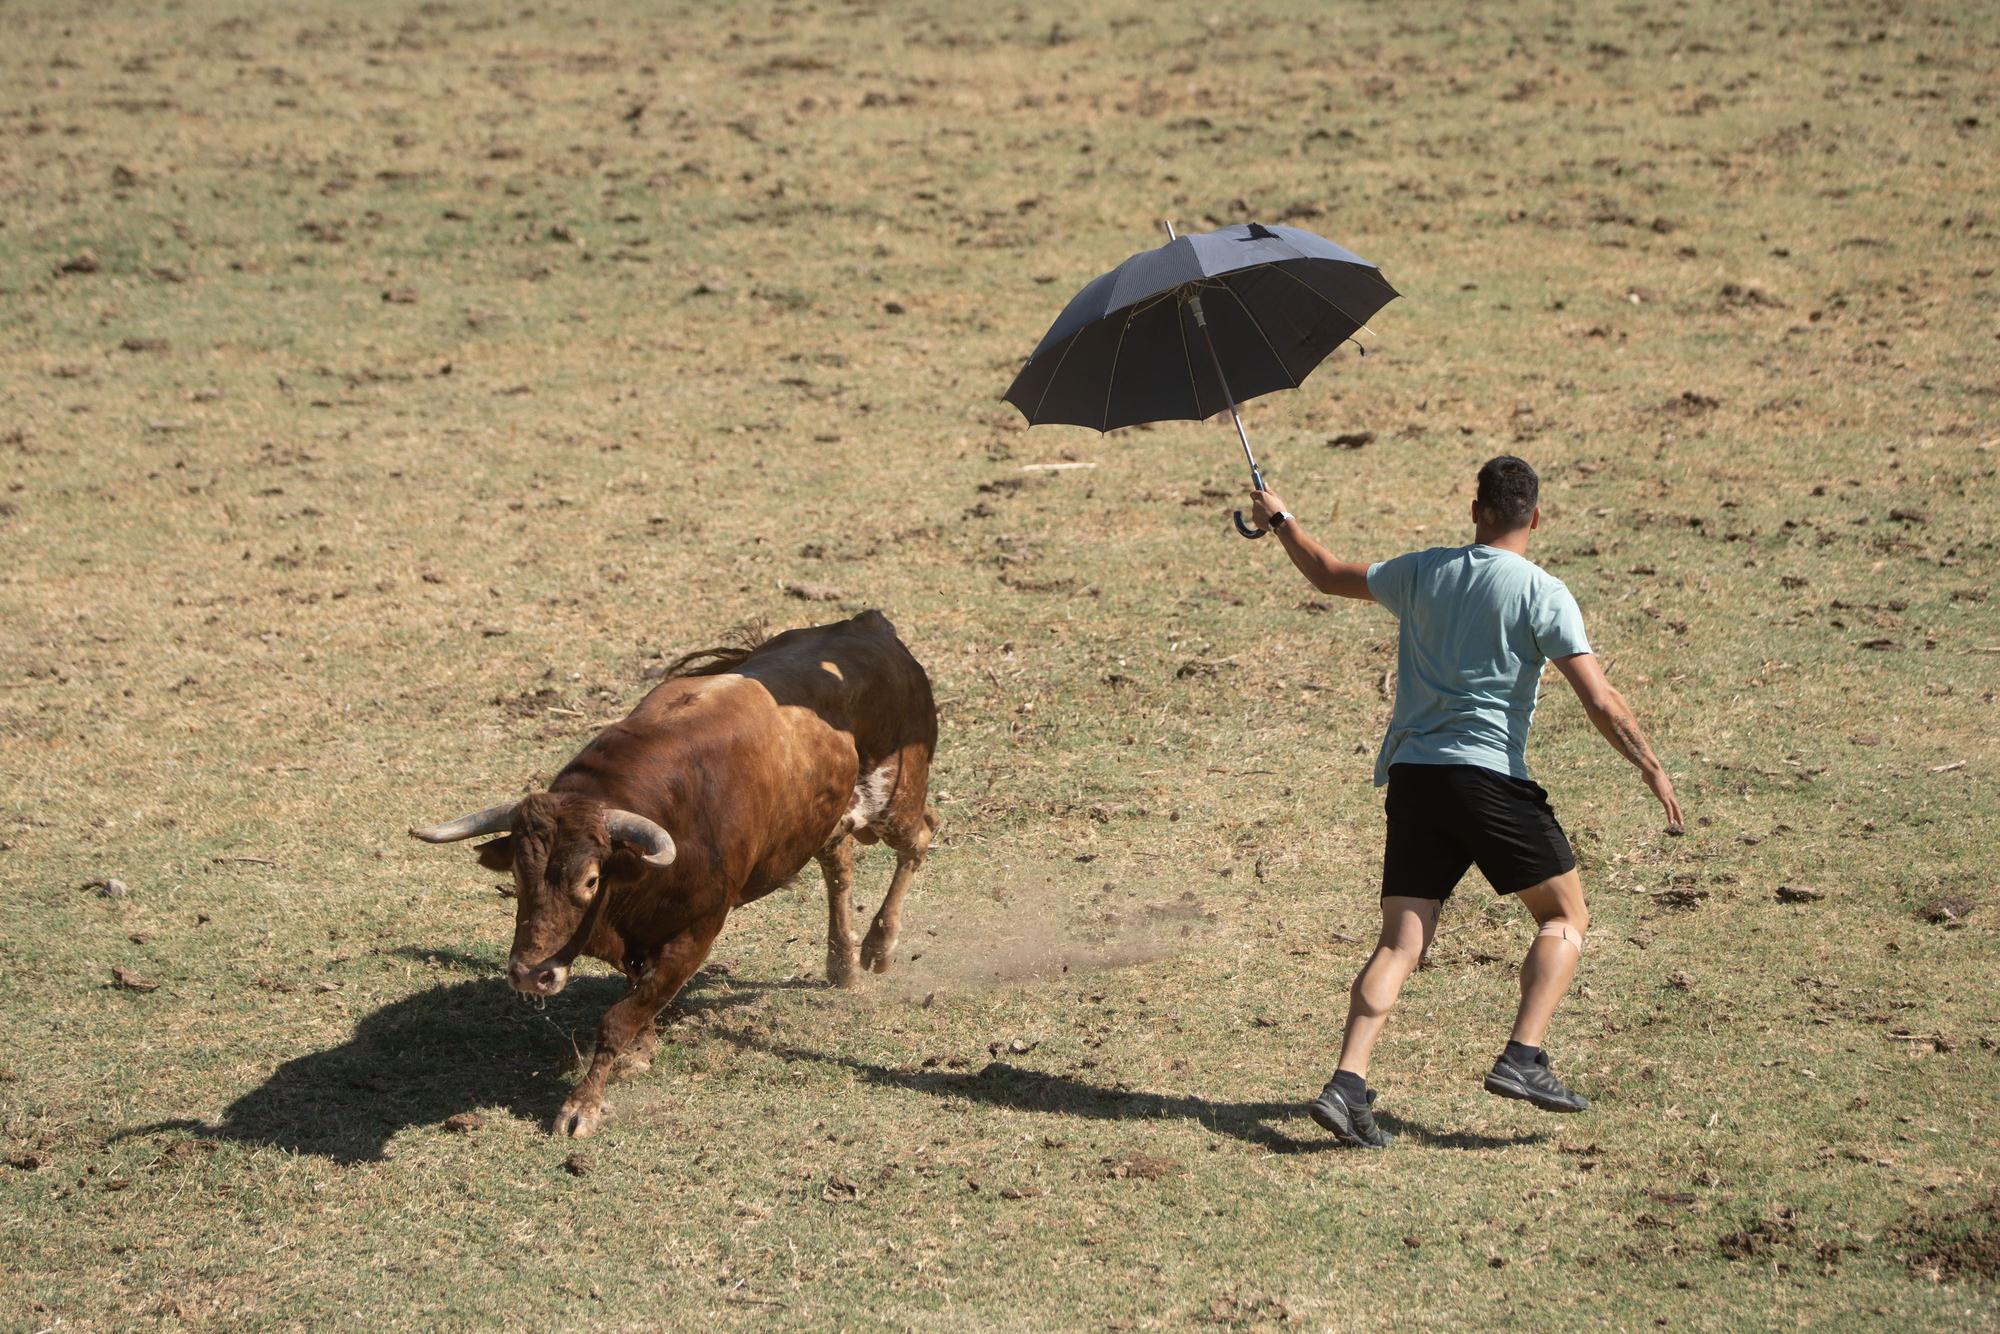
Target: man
(1478, 622)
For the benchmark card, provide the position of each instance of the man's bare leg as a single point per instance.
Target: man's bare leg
(1551, 963)
(1522, 1071)
(1407, 925)
(1346, 1105)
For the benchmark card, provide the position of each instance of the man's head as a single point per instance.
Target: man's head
(1508, 497)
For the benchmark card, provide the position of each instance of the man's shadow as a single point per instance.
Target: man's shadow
(1266, 1124)
(460, 1046)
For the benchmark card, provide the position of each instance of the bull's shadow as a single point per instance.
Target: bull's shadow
(448, 1049)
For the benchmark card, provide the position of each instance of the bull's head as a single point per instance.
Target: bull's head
(563, 849)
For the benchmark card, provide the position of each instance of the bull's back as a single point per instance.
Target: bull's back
(760, 763)
(855, 676)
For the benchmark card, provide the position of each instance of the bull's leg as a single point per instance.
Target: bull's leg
(910, 843)
(631, 1020)
(842, 952)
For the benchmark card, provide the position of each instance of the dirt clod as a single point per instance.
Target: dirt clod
(464, 1123)
(1140, 1167)
(1957, 1245)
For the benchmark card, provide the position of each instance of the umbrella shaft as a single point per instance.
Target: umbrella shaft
(1201, 320)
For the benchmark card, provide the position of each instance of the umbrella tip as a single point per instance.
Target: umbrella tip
(1259, 232)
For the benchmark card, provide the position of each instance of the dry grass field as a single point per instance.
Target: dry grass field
(384, 389)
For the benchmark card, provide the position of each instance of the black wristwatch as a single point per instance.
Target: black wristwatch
(1280, 519)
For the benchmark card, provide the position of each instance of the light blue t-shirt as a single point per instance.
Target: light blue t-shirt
(1477, 625)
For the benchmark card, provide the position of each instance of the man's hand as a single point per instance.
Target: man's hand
(1663, 788)
(1263, 505)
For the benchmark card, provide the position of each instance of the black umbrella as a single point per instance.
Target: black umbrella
(1141, 345)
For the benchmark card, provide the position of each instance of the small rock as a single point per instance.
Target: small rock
(109, 888)
(464, 1123)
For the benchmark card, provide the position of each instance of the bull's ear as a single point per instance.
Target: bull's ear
(497, 855)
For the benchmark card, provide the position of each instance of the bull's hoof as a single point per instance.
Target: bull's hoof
(875, 954)
(842, 969)
(638, 1057)
(577, 1121)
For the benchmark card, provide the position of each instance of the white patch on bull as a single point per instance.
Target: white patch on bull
(871, 798)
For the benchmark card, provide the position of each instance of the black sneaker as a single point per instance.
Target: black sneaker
(1353, 1123)
(1534, 1082)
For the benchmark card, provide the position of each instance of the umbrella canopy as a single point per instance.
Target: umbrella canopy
(1129, 347)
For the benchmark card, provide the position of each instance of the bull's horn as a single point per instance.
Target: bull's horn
(492, 820)
(651, 842)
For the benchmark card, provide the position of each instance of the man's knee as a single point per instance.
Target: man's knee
(1569, 927)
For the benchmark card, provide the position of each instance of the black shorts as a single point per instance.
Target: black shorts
(1445, 817)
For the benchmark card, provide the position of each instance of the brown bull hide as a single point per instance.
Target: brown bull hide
(754, 762)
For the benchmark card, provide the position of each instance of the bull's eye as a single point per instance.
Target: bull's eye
(590, 882)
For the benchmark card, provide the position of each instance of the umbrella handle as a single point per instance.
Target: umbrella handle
(1256, 482)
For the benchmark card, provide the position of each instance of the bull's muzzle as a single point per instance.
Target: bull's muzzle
(537, 979)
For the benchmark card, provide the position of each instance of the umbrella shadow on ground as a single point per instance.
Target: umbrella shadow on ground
(1267, 1124)
(455, 1047)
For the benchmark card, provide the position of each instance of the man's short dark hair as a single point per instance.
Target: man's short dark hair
(1508, 492)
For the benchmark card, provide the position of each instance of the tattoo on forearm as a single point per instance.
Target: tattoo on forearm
(1631, 744)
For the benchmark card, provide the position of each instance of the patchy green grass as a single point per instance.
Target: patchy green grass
(384, 388)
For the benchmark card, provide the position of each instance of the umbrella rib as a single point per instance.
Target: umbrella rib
(1067, 348)
(1187, 358)
(1111, 380)
(1244, 306)
(1359, 324)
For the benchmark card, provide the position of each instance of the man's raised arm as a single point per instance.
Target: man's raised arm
(1613, 717)
(1343, 578)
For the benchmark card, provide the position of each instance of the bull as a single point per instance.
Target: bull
(727, 778)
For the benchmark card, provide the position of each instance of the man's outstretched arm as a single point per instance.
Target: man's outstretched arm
(1342, 578)
(1613, 717)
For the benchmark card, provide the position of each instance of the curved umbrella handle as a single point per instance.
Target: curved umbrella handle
(1246, 529)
